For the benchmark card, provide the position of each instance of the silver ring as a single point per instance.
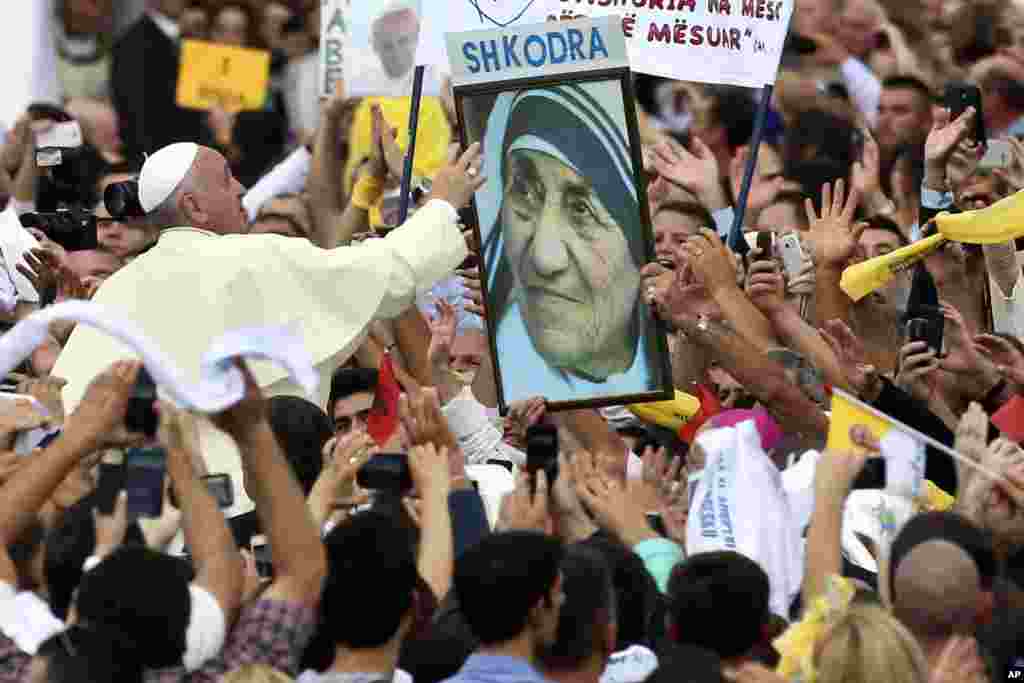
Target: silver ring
(471, 172)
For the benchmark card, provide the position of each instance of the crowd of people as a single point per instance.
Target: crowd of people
(393, 528)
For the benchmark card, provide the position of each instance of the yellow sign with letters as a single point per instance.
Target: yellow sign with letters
(232, 78)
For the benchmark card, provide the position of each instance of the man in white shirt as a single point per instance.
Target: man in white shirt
(205, 276)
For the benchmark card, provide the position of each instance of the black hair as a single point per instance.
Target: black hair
(117, 598)
(301, 429)
(23, 550)
(502, 578)
(588, 609)
(348, 381)
(905, 82)
(68, 543)
(820, 137)
(735, 111)
(687, 663)
(81, 655)
(879, 222)
(637, 598)
(436, 655)
(709, 585)
(812, 175)
(691, 209)
(372, 573)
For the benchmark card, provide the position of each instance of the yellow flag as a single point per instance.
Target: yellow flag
(668, 414)
(232, 78)
(863, 278)
(847, 412)
(1001, 222)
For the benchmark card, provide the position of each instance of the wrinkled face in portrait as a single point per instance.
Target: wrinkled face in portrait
(577, 279)
(394, 40)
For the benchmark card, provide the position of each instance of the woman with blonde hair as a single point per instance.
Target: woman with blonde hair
(255, 673)
(867, 644)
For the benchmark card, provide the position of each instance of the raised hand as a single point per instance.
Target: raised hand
(917, 364)
(694, 170)
(833, 236)
(766, 286)
(711, 262)
(460, 178)
(521, 416)
(942, 141)
(111, 529)
(1013, 175)
(1009, 359)
(442, 335)
(526, 507)
(99, 418)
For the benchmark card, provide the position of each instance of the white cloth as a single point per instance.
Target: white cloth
(288, 177)
(493, 483)
(632, 665)
(207, 628)
(310, 676)
(798, 483)
(194, 285)
(15, 241)
(864, 87)
(26, 619)
(220, 384)
(740, 505)
(531, 376)
(29, 57)
(1008, 311)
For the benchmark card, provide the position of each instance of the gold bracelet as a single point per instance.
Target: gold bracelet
(367, 192)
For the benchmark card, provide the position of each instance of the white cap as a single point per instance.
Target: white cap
(163, 172)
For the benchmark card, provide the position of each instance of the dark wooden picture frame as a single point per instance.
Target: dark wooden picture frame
(651, 343)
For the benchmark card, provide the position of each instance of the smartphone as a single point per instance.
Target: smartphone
(928, 330)
(221, 489)
(144, 470)
(261, 554)
(386, 472)
(141, 417)
(67, 135)
(791, 253)
(542, 451)
(998, 154)
(110, 481)
(960, 96)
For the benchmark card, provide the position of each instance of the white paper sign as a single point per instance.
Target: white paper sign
(546, 49)
(333, 38)
(221, 384)
(456, 16)
(733, 42)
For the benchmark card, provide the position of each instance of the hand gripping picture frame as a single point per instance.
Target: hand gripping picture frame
(562, 220)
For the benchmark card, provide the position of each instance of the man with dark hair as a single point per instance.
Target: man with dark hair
(785, 214)
(904, 114)
(1002, 86)
(509, 588)
(351, 398)
(371, 573)
(709, 585)
(301, 430)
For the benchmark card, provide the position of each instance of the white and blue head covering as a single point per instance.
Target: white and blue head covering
(583, 126)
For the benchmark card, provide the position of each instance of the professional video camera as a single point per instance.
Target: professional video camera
(74, 228)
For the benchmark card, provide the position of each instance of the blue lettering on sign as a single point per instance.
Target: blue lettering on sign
(537, 50)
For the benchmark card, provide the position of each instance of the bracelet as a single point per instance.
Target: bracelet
(367, 192)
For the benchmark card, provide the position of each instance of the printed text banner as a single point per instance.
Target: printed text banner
(733, 42)
(536, 50)
(455, 16)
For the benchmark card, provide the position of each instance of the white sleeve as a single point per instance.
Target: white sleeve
(207, 628)
(288, 177)
(26, 619)
(865, 88)
(1007, 311)
(480, 440)
(424, 250)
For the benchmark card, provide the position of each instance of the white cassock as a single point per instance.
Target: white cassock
(195, 285)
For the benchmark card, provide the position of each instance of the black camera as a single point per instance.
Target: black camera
(141, 417)
(74, 228)
(386, 473)
(927, 329)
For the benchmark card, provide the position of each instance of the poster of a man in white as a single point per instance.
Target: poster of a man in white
(380, 55)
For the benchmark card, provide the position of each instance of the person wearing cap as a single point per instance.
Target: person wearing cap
(205, 276)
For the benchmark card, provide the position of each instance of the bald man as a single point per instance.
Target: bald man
(205, 276)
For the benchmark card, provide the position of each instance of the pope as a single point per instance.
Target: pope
(205, 276)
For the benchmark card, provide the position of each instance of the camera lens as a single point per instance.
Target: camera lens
(122, 200)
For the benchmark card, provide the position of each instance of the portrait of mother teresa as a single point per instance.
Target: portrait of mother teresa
(563, 245)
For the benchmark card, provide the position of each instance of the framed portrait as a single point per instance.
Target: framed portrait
(564, 229)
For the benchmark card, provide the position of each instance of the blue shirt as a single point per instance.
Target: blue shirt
(496, 669)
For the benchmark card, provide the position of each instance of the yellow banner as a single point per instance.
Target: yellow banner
(232, 78)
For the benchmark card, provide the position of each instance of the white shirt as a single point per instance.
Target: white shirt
(288, 177)
(26, 619)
